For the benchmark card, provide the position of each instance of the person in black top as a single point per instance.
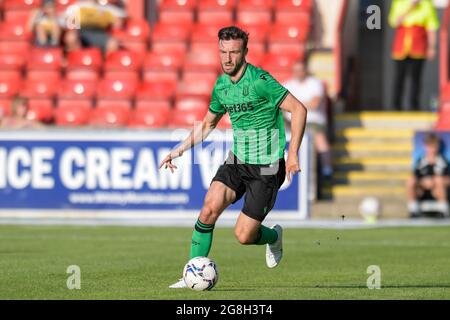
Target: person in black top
(431, 174)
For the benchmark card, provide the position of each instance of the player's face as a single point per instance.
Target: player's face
(232, 55)
(431, 149)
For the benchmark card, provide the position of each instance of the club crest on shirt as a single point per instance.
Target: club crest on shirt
(245, 91)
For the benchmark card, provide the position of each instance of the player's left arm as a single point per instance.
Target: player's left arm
(298, 122)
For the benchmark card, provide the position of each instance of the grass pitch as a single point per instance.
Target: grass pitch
(140, 263)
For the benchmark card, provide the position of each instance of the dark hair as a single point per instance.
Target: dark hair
(233, 33)
(432, 139)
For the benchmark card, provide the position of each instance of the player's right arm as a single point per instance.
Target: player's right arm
(199, 133)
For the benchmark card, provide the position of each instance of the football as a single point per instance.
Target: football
(200, 273)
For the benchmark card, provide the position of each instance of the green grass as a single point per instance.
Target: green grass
(140, 262)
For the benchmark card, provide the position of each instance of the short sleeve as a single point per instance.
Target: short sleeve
(215, 106)
(269, 88)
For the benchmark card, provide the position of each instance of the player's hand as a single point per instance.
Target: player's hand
(431, 53)
(167, 162)
(292, 167)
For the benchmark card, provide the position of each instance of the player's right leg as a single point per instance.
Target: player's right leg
(218, 198)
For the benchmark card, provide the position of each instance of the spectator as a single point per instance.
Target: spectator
(44, 24)
(431, 175)
(95, 22)
(415, 23)
(310, 91)
(17, 119)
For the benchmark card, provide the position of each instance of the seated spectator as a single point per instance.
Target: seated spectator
(431, 175)
(45, 26)
(311, 92)
(17, 119)
(95, 22)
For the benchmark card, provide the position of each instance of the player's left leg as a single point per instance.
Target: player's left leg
(250, 231)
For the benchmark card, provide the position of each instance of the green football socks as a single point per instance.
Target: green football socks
(266, 236)
(201, 240)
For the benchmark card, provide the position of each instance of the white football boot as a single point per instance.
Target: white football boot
(180, 284)
(274, 252)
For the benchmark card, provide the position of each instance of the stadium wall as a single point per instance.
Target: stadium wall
(84, 174)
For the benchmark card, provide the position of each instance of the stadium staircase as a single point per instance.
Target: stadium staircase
(372, 156)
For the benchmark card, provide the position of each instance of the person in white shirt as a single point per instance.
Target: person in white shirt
(311, 92)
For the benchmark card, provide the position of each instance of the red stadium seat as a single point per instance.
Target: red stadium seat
(186, 119)
(77, 89)
(206, 32)
(303, 19)
(15, 47)
(17, 15)
(9, 74)
(288, 32)
(73, 112)
(254, 16)
(200, 76)
(50, 75)
(175, 11)
(167, 61)
(116, 89)
(171, 32)
(443, 122)
(297, 50)
(85, 58)
(161, 75)
(40, 88)
(123, 60)
(201, 88)
(84, 104)
(22, 4)
(146, 104)
(257, 32)
(11, 61)
(202, 60)
(82, 74)
(5, 107)
(157, 90)
(254, 12)
(49, 58)
(294, 5)
(135, 30)
(9, 87)
(186, 104)
(40, 110)
(122, 75)
(110, 113)
(12, 30)
(215, 11)
(278, 62)
(151, 118)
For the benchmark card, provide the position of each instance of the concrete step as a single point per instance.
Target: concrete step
(392, 120)
(390, 208)
(390, 164)
(372, 149)
(373, 135)
(346, 191)
(365, 178)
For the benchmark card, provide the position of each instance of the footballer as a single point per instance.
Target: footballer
(255, 166)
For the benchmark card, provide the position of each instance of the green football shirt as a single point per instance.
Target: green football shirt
(253, 105)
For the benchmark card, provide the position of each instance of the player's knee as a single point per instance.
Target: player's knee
(243, 237)
(209, 212)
